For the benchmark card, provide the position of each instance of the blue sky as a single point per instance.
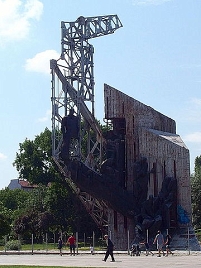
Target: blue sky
(155, 58)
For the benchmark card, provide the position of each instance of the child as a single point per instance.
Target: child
(135, 250)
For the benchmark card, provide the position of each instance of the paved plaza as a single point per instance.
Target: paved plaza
(178, 260)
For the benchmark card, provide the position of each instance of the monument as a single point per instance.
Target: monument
(133, 179)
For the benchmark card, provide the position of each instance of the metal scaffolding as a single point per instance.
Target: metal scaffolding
(73, 87)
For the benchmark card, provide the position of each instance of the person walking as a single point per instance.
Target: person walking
(72, 243)
(60, 245)
(167, 243)
(159, 241)
(91, 249)
(110, 248)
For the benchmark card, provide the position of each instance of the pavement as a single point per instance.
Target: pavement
(179, 259)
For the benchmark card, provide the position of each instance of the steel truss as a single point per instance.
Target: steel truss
(73, 87)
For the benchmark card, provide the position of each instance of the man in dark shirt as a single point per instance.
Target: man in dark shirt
(167, 243)
(110, 248)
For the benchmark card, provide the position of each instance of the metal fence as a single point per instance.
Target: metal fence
(50, 242)
(185, 238)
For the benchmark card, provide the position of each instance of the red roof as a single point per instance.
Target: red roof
(26, 184)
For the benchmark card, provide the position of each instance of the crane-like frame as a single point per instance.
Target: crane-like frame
(73, 87)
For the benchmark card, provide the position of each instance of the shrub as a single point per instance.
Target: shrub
(2, 242)
(13, 245)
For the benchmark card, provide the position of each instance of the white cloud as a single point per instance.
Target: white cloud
(15, 17)
(33, 9)
(2, 156)
(46, 118)
(41, 62)
(193, 137)
(149, 2)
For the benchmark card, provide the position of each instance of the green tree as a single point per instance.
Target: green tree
(45, 222)
(27, 224)
(34, 161)
(36, 198)
(13, 203)
(5, 226)
(57, 201)
(13, 199)
(196, 193)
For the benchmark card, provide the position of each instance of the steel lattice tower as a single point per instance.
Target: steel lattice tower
(73, 87)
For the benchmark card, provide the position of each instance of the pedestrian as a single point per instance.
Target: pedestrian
(110, 248)
(167, 243)
(91, 249)
(159, 241)
(147, 248)
(60, 245)
(72, 243)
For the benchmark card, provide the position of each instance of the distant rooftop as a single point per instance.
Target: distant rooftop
(21, 184)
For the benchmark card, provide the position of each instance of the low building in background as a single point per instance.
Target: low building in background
(21, 184)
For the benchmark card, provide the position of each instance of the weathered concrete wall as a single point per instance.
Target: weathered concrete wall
(137, 114)
(152, 135)
(171, 156)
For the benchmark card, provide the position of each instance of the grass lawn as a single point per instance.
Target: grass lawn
(50, 246)
(24, 266)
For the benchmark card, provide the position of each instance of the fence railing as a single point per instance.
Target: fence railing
(92, 242)
(49, 242)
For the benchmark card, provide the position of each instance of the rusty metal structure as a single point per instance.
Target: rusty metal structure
(73, 87)
(135, 176)
(151, 142)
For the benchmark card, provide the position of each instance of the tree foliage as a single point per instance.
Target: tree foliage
(5, 225)
(33, 222)
(44, 210)
(51, 206)
(196, 193)
(34, 162)
(12, 202)
(58, 201)
(13, 199)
